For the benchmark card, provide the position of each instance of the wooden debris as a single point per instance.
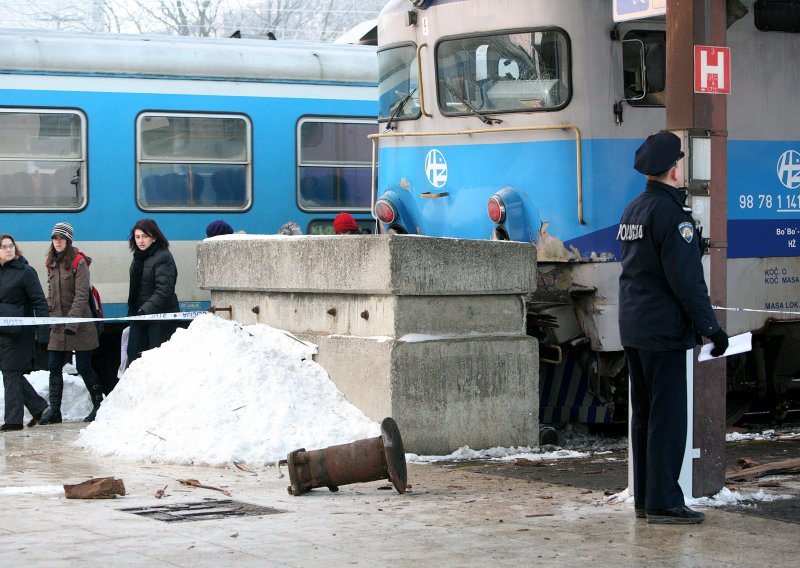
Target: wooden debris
(160, 492)
(243, 467)
(195, 483)
(788, 438)
(747, 463)
(97, 488)
(773, 467)
(526, 461)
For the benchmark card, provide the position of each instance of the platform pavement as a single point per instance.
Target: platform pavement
(450, 517)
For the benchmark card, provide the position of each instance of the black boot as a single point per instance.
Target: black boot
(96, 392)
(53, 414)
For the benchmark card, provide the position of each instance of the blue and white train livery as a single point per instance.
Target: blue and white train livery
(519, 119)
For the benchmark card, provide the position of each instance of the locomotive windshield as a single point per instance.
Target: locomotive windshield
(520, 71)
(398, 93)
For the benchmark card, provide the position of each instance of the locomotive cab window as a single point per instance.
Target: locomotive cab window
(644, 67)
(192, 161)
(521, 71)
(42, 159)
(398, 87)
(334, 164)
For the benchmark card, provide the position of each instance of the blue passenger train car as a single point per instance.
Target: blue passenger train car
(520, 119)
(102, 130)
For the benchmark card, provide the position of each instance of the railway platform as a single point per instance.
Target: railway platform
(451, 516)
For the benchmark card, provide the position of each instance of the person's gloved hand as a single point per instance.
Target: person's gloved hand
(43, 335)
(720, 339)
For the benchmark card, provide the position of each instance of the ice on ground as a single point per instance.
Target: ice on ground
(497, 453)
(217, 393)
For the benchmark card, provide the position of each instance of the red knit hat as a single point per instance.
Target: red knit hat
(344, 222)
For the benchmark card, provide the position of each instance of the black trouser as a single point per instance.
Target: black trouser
(658, 427)
(144, 336)
(18, 393)
(83, 361)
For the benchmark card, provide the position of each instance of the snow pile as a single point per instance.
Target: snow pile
(770, 434)
(723, 498)
(218, 392)
(497, 453)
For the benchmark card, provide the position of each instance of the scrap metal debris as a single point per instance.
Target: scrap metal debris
(97, 488)
(195, 483)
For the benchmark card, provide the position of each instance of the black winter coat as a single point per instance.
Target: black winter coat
(157, 288)
(19, 285)
(663, 297)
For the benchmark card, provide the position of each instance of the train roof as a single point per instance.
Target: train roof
(38, 51)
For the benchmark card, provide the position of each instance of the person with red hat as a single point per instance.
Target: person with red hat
(344, 224)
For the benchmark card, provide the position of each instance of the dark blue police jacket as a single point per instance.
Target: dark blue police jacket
(663, 298)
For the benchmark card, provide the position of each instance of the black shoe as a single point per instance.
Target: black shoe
(51, 417)
(92, 414)
(675, 516)
(36, 418)
(640, 513)
(10, 427)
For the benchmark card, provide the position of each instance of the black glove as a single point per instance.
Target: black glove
(720, 339)
(43, 335)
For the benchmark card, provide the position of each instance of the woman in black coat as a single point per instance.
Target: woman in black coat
(20, 295)
(152, 287)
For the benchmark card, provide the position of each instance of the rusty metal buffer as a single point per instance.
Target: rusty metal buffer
(364, 460)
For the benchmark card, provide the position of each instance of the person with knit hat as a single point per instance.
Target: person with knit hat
(217, 228)
(345, 224)
(68, 295)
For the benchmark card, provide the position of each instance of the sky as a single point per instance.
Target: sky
(219, 393)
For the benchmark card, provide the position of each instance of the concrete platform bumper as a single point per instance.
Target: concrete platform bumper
(428, 331)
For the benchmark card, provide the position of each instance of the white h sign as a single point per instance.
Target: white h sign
(712, 69)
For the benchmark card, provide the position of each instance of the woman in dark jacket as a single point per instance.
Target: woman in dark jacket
(152, 287)
(68, 296)
(19, 286)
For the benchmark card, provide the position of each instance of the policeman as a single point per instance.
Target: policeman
(663, 306)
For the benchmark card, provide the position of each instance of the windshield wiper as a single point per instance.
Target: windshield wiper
(400, 104)
(485, 119)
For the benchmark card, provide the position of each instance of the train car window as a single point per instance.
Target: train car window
(334, 165)
(522, 71)
(645, 86)
(42, 159)
(193, 161)
(398, 87)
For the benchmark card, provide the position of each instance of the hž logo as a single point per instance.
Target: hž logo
(789, 169)
(436, 168)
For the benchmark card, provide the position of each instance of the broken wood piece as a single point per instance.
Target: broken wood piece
(243, 467)
(160, 492)
(195, 483)
(773, 467)
(97, 488)
(526, 461)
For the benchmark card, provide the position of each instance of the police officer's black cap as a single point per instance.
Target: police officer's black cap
(658, 153)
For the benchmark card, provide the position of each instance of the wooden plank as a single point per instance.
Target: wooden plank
(772, 467)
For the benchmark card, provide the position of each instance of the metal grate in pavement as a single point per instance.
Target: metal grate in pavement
(201, 511)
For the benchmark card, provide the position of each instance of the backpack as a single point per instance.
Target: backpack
(95, 303)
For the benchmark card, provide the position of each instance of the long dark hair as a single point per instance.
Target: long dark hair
(17, 250)
(67, 257)
(149, 228)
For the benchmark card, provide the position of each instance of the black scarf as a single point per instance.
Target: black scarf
(137, 269)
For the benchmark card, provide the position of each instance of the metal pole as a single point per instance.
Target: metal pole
(690, 23)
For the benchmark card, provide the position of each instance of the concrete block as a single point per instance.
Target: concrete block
(366, 264)
(429, 331)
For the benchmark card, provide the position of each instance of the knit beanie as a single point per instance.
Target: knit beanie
(344, 222)
(64, 230)
(291, 229)
(219, 227)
